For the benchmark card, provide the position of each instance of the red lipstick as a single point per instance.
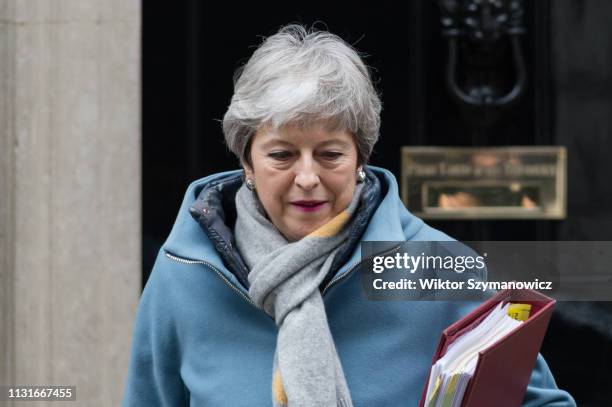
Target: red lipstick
(308, 205)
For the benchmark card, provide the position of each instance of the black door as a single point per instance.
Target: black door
(191, 52)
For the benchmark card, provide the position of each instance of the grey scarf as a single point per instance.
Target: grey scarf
(285, 280)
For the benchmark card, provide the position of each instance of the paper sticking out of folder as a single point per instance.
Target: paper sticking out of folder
(451, 374)
(489, 354)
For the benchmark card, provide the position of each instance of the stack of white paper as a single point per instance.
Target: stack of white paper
(451, 374)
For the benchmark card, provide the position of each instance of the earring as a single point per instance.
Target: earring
(250, 184)
(361, 175)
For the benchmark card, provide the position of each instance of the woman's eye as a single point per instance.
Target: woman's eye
(280, 155)
(331, 155)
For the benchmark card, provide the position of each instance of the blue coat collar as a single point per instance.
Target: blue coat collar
(391, 221)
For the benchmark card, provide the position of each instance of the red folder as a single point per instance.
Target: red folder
(504, 369)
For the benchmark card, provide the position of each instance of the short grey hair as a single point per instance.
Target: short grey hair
(303, 76)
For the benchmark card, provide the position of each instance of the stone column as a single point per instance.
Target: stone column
(69, 193)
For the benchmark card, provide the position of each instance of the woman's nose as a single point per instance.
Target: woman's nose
(307, 177)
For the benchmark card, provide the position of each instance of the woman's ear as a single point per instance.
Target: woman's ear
(248, 170)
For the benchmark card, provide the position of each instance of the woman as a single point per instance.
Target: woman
(253, 300)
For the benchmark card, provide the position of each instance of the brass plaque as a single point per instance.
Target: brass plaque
(485, 182)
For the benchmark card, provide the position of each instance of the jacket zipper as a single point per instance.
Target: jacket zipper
(216, 270)
(350, 269)
(246, 298)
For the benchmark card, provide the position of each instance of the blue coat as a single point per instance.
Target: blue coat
(199, 340)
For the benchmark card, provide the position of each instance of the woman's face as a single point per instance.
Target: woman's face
(303, 177)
